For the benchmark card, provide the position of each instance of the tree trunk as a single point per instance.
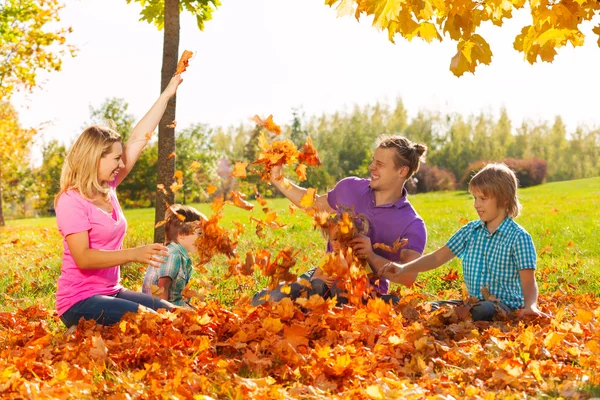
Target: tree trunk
(166, 136)
(2, 223)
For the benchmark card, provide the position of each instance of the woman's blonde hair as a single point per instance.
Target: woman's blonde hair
(80, 169)
(406, 152)
(500, 182)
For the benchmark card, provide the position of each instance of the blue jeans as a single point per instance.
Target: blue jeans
(481, 311)
(108, 310)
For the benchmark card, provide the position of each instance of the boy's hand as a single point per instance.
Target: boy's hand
(532, 311)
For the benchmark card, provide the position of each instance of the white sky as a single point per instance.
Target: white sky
(267, 56)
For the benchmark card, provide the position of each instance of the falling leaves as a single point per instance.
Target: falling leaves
(239, 170)
(268, 124)
(238, 200)
(308, 199)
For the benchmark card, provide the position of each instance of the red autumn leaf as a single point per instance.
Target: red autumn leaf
(183, 62)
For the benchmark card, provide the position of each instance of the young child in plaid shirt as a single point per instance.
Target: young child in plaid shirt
(496, 252)
(182, 227)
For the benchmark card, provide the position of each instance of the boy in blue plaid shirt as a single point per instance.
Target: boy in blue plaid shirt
(497, 254)
(182, 227)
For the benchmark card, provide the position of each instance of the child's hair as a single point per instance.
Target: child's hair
(406, 153)
(80, 169)
(500, 182)
(360, 224)
(184, 225)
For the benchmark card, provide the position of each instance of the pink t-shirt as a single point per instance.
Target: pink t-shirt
(106, 232)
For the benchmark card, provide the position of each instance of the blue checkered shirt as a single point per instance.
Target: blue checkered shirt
(494, 260)
(178, 267)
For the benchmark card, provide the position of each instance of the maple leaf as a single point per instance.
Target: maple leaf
(471, 52)
(268, 124)
(280, 152)
(172, 125)
(210, 189)
(451, 276)
(397, 245)
(308, 199)
(239, 200)
(239, 170)
(301, 172)
(183, 62)
(172, 155)
(309, 155)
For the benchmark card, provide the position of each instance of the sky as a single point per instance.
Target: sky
(270, 56)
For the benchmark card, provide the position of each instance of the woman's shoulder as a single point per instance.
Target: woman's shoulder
(69, 198)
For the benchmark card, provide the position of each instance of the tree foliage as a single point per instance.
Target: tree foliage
(553, 24)
(30, 41)
(14, 145)
(153, 10)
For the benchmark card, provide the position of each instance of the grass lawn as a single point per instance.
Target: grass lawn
(311, 349)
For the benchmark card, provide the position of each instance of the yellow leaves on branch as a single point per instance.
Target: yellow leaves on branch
(554, 24)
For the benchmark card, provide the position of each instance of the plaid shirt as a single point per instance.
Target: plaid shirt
(494, 260)
(178, 267)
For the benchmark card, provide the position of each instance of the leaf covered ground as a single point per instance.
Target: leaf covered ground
(309, 349)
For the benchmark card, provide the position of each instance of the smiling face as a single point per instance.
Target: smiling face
(488, 209)
(111, 164)
(384, 173)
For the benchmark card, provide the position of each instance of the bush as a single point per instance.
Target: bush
(431, 179)
(529, 172)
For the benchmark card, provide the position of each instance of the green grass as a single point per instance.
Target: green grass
(563, 219)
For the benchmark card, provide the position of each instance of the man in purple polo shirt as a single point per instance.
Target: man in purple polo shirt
(382, 199)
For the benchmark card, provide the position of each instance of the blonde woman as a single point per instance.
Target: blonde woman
(93, 226)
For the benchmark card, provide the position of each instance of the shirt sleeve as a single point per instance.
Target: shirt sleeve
(171, 267)
(72, 214)
(524, 251)
(340, 187)
(416, 233)
(458, 242)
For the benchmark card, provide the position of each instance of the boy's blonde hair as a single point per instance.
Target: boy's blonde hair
(406, 153)
(500, 182)
(80, 169)
(182, 220)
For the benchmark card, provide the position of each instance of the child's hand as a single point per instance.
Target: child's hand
(532, 311)
(361, 246)
(152, 254)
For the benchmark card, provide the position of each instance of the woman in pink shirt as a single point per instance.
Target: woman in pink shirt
(93, 226)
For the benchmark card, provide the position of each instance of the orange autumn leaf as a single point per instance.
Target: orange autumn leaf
(280, 152)
(292, 208)
(259, 197)
(308, 155)
(178, 175)
(210, 189)
(172, 125)
(148, 135)
(268, 124)
(239, 170)
(301, 172)
(172, 155)
(239, 200)
(308, 199)
(451, 276)
(183, 62)
(397, 245)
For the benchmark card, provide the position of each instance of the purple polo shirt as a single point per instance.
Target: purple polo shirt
(387, 222)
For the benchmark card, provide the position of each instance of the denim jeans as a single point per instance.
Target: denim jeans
(108, 310)
(481, 311)
(317, 286)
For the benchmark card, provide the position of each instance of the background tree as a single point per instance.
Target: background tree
(47, 176)
(165, 14)
(14, 145)
(554, 24)
(30, 41)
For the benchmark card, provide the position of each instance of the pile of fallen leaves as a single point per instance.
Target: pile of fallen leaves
(308, 349)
